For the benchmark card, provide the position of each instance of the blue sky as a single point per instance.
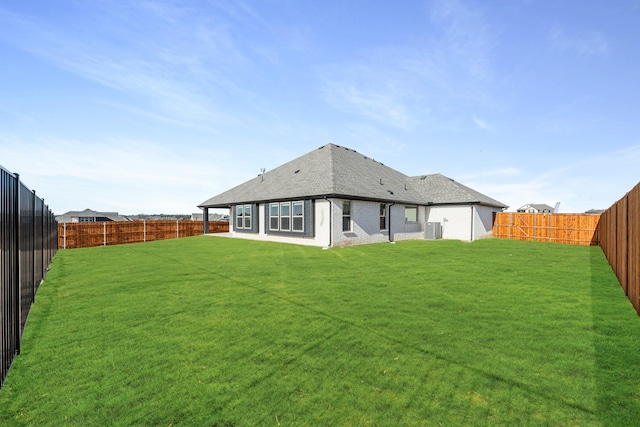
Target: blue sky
(155, 106)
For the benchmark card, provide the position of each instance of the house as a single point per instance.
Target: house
(537, 208)
(212, 217)
(335, 196)
(89, 215)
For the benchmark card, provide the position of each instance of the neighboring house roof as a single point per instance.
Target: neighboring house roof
(212, 217)
(335, 171)
(72, 216)
(539, 207)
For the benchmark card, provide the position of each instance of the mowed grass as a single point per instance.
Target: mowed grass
(220, 332)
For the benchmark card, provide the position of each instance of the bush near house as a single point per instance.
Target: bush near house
(214, 331)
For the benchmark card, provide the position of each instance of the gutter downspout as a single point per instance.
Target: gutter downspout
(390, 233)
(473, 225)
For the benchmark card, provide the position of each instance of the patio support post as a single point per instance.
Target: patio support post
(205, 219)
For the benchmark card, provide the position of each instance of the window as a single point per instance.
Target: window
(243, 217)
(286, 216)
(298, 216)
(411, 214)
(274, 216)
(346, 216)
(383, 216)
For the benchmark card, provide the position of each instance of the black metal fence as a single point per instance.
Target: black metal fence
(28, 242)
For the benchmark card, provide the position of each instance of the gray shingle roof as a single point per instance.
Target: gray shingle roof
(336, 171)
(438, 189)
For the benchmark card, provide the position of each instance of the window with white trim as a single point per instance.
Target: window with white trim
(411, 214)
(383, 216)
(274, 216)
(297, 216)
(346, 215)
(243, 217)
(287, 216)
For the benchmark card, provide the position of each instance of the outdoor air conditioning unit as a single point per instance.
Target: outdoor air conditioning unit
(433, 231)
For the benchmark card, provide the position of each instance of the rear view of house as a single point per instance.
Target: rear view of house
(335, 196)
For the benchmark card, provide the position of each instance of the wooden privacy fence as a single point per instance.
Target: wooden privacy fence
(619, 235)
(73, 235)
(575, 229)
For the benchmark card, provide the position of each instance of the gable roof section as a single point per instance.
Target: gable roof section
(331, 171)
(335, 171)
(437, 189)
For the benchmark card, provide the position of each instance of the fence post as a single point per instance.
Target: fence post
(33, 247)
(64, 235)
(16, 284)
(144, 230)
(104, 234)
(177, 229)
(43, 262)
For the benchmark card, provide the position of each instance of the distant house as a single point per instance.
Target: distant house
(89, 215)
(335, 196)
(212, 217)
(536, 208)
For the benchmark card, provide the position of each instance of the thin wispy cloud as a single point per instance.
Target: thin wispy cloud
(482, 124)
(404, 87)
(160, 71)
(582, 43)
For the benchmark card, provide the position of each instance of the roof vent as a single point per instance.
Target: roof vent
(296, 171)
(381, 181)
(389, 191)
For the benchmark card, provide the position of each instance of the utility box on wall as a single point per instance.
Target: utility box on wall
(433, 230)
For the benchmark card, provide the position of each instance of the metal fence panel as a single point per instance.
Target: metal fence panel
(28, 243)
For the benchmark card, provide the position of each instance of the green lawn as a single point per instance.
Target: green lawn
(220, 332)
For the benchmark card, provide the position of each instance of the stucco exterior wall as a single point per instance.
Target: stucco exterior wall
(483, 223)
(470, 222)
(455, 221)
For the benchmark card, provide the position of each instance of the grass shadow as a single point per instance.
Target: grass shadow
(616, 346)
